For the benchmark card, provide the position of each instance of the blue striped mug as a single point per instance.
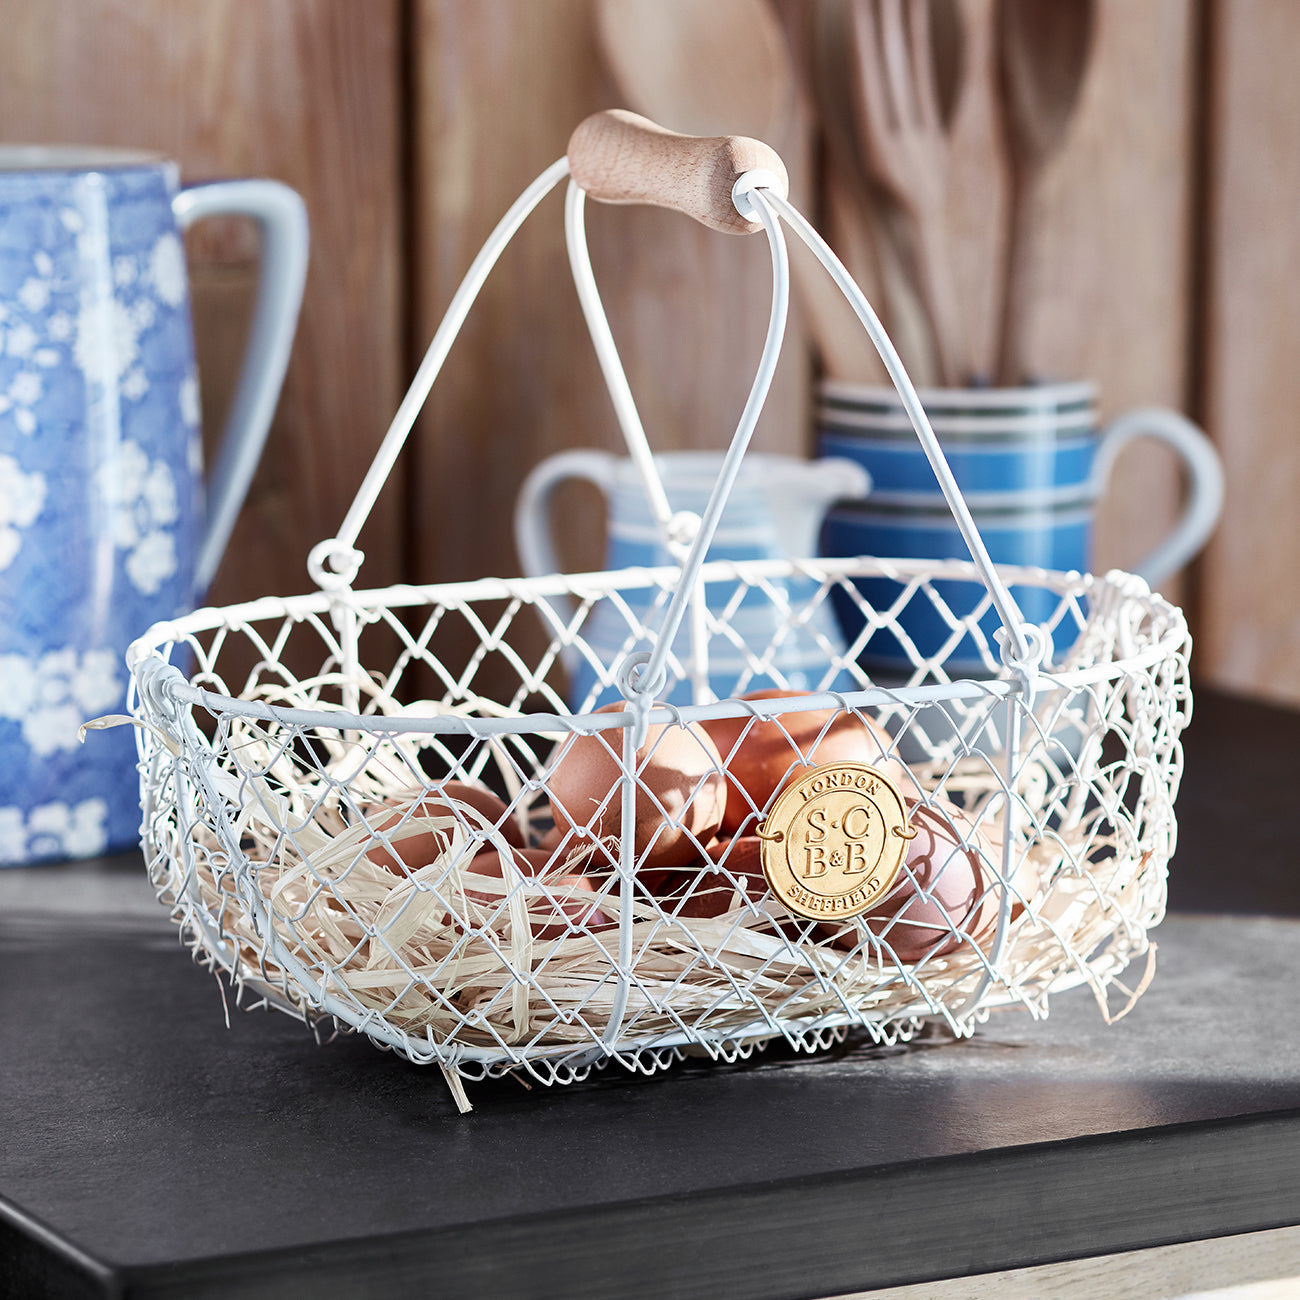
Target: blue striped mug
(1032, 464)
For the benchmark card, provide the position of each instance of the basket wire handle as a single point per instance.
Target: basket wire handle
(333, 563)
(611, 366)
(607, 157)
(622, 158)
(643, 673)
(1020, 647)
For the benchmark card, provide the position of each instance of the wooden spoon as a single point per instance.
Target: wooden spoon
(722, 67)
(1043, 52)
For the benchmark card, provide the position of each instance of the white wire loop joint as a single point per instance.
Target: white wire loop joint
(333, 565)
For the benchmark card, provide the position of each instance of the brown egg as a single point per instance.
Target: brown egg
(970, 892)
(575, 902)
(1025, 884)
(679, 776)
(939, 888)
(760, 759)
(706, 891)
(552, 839)
(417, 848)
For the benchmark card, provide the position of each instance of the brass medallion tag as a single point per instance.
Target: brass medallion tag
(835, 840)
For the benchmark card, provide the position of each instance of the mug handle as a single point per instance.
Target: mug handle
(533, 538)
(1205, 483)
(282, 216)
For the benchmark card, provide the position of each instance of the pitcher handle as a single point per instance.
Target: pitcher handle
(533, 539)
(1205, 483)
(282, 217)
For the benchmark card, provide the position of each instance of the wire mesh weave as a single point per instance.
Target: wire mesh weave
(392, 842)
(284, 825)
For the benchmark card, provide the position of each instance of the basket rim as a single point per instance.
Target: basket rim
(598, 581)
(1126, 587)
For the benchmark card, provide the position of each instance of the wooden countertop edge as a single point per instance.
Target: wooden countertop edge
(859, 1230)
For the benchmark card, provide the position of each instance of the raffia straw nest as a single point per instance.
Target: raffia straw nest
(447, 954)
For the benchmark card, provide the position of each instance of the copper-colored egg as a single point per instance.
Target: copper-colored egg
(420, 847)
(575, 906)
(939, 890)
(1025, 885)
(970, 892)
(760, 757)
(680, 795)
(551, 840)
(706, 891)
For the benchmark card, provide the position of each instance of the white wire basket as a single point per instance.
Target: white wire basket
(398, 845)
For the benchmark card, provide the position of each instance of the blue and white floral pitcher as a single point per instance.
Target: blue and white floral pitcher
(106, 524)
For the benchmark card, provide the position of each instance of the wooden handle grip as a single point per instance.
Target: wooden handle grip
(619, 157)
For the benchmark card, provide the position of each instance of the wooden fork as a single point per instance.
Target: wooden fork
(904, 142)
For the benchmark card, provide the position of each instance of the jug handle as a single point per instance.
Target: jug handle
(282, 218)
(533, 538)
(1205, 483)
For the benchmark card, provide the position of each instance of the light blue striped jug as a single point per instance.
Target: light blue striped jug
(784, 635)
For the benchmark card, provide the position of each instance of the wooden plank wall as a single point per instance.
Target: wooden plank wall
(1110, 243)
(307, 92)
(1249, 595)
(497, 88)
(688, 307)
(1164, 244)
